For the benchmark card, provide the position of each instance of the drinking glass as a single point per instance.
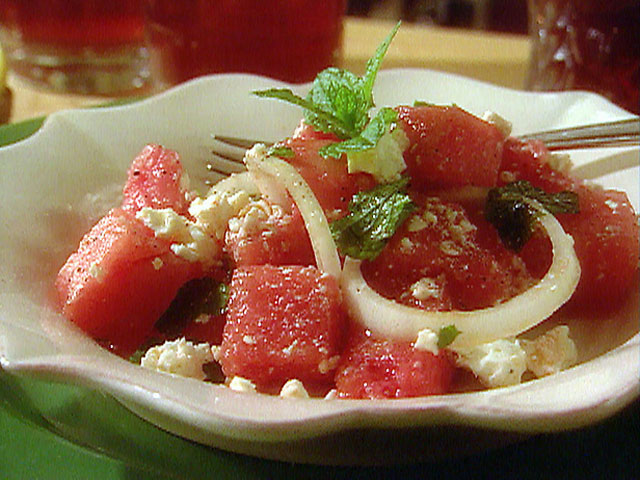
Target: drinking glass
(290, 40)
(81, 46)
(587, 45)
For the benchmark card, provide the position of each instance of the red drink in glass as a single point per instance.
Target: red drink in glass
(87, 46)
(290, 40)
(587, 45)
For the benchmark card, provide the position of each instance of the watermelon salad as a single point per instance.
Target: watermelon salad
(374, 253)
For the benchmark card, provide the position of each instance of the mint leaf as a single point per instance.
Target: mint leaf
(339, 101)
(447, 335)
(378, 126)
(279, 150)
(374, 217)
(373, 65)
(338, 93)
(515, 220)
(325, 120)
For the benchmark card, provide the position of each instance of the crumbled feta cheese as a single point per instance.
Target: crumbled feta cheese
(449, 247)
(240, 384)
(157, 263)
(500, 122)
(179, 357)
(496, 364)
(255, 217)
(289, 349)
(96, 272)
(331, 394)
(293, 389)
(189, 240)
(325, 366)
(216, 351)
(426, 288)
(406, 245)
(165, 223)
(427, 340)
(201, 247)
(416, 223)
(551, 352)
(385, 161)
(249, 340)
(213, 213)
(560, 162)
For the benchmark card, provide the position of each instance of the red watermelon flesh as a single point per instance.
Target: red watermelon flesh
(207, 330)
(450, 147)
(605, 231)
(120, 280)
(155, 180)
(373, 368)
(282, 323)
(463, 260)
(327, 177)
(279, 239)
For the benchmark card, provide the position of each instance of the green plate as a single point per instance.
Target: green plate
(54, 431)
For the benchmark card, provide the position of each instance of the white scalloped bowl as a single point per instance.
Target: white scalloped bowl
(58, 182)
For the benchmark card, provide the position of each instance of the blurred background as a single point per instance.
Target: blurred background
(493, 15)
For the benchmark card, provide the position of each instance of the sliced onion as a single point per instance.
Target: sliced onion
(275, 170)
(234, 183)
(391, 320)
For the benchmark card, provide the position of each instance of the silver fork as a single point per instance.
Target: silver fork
(228, 152)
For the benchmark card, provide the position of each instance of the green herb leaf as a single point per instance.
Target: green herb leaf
(374, 217)
(324, 120)
(513, 217)
(378, 126)
(339, 101)
(447, 335)
(279, 150)
(338, 93)
(373, 65)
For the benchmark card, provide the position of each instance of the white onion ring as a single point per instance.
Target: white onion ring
(389, 319)
(315, 221)
(234, 183)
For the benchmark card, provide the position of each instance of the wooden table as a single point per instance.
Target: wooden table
(496, 58)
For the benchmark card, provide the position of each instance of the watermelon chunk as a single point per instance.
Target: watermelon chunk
(458, 259)
(605, 232)
(120, 280)
(327, 177)
(155, 180)
(282, 323)
(450, 147)
(373, 368)
(274, 237)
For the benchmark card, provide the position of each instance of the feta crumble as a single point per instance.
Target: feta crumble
(497, 364)
(551, 352)
(240, 384)
(189, 241)
(426, 288)
(97, 272)
(427, 340)
(385, 161)
(294, 388)
(499, 122)
(178, 357)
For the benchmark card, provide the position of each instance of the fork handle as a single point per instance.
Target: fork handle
(622, 132)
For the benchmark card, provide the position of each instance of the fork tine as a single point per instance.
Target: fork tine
(244, 143)
(224, 165)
